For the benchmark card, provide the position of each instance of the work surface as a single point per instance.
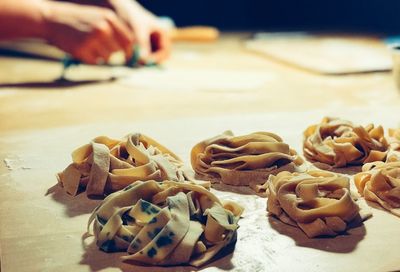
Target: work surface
(200, 92)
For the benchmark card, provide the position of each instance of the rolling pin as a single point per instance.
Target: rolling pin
(194, 34)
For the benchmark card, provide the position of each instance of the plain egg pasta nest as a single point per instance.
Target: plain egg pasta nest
(338, 143)
(107, 165)
(380, 182)
(242, 160)
(318, 202)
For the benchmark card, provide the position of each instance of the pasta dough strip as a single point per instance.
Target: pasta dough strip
(99, 171)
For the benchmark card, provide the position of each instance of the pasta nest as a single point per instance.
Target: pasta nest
(106, 165)
(318, 202)
(242, 160)
(167, 223)
(380, 182)
(339, 143)
(394, 136)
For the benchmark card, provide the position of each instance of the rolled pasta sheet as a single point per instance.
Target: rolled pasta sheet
(242, 160)
(318, 202)
(380, 182)
(339, 143)
(107, 165)
(169, 223)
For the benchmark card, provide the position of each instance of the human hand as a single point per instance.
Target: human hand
(90, 34)
(149, 33)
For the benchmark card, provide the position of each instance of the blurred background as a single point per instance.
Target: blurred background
(325, 37)
(370, 16)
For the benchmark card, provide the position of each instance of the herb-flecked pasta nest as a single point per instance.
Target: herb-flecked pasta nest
(163, 224)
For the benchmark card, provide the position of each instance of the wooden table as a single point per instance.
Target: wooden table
(202, 90)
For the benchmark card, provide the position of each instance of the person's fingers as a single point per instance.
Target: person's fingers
(161, 46)
(106, 46)
(109, 38)
(111, 45)
(102, 53)
(93, 51)
(143, 40)
(88, 56)
(123, 36)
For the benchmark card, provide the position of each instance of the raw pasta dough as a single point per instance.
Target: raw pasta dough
(107, 165)
(167, 223)
(318, 202)
(380, 182)
(242, 160)
(339, 143)
(394, 137)
(394, 142)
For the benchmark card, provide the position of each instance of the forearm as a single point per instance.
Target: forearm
(22, 19)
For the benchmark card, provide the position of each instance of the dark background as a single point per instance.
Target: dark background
(368, 16)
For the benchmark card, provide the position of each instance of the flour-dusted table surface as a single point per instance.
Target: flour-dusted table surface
(42, 232)
(200, 92)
